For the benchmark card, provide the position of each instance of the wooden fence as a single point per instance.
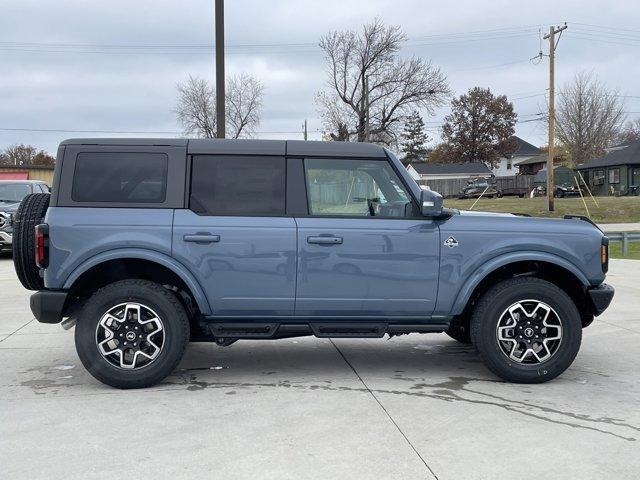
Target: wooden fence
(451, 187)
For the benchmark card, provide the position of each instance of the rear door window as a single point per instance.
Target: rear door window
(238, 185)
(120, 177)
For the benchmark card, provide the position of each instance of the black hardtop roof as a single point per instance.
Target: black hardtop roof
(245, 146)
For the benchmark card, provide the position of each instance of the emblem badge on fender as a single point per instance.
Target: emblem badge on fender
(451, 242)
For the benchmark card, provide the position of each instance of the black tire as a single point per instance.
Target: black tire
(487, 313)
(30, 213)
(152, 295)
(559, 194)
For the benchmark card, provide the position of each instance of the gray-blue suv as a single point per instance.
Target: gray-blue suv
(147, 244)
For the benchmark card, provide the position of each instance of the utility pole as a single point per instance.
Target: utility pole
(552, 113)
(220, 88)
(304, 129)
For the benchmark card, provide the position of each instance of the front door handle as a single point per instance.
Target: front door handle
(325, 240)
(201, 238)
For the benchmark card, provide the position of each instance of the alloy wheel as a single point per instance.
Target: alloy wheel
(529, 332)
(130, 335)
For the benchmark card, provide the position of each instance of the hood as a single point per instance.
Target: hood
(485, 214)
(9, 206)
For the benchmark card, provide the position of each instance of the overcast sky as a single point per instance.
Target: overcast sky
(113, 65)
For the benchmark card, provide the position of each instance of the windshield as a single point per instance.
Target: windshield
(13, 192)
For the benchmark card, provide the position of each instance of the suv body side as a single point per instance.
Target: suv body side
(273, 266)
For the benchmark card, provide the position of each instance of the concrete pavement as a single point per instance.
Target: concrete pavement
(418, 406)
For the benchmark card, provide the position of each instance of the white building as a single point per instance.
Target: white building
(508, 167)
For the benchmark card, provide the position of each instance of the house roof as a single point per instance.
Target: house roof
(629, 155)
(535, 159)
(469, 168)
(525, 148)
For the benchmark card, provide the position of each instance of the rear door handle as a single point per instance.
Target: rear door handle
(201, 238)
(325, 240)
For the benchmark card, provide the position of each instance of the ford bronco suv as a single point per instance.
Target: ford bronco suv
(146, 245)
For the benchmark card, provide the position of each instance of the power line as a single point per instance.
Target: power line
(136, 132)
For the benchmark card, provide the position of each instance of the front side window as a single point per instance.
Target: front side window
(120, 177)
(362, 188)
(614, 175)
(238, 185)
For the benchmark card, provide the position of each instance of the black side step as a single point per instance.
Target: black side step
(347, 330)
(243, 330)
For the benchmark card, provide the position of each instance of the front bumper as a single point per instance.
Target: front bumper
(6, 240)
(600, 298)
(47, 305)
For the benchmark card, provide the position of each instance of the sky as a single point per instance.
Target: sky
(72, 68)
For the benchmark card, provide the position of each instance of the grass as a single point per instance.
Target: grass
(610, 209)
(615, 250)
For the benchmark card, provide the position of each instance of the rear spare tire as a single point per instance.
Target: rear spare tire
(30, 213)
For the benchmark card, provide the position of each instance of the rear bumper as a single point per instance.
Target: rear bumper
(600, 298)
(47, 305)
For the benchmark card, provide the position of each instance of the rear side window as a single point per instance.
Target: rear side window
(120, 177)
(236, 185)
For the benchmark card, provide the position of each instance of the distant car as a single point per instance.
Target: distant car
(564, 190)
(480, 187)
(11, 194)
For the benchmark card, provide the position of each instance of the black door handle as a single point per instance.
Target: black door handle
(201, 238)
(325, 240)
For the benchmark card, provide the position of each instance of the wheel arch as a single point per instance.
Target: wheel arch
(135, 263)
(550, 267)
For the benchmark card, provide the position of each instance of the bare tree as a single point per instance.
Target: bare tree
(25, 155)
(630, 132)
(196, 106)
(588, 117)
(372, 90)
(243, 105)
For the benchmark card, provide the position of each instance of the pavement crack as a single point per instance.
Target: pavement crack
(384, 410)
(17, 330)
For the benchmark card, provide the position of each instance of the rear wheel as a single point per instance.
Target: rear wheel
(30, 213)
(526, 330)
(131, 334)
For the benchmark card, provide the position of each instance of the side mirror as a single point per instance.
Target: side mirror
(430, 203)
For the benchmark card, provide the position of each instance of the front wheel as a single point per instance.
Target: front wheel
(527, 330)
(131, 334)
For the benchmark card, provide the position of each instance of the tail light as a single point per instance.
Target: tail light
(604, 254)
(42, 245)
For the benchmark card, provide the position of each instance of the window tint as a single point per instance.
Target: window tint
(355, 188)
(235, 185)
(120, 177)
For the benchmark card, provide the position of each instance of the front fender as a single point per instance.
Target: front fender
(464, 293)
(152, 256)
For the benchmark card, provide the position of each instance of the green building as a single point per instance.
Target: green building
(616, 173)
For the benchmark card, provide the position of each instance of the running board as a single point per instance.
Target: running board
(348, 330)
(325, 329)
